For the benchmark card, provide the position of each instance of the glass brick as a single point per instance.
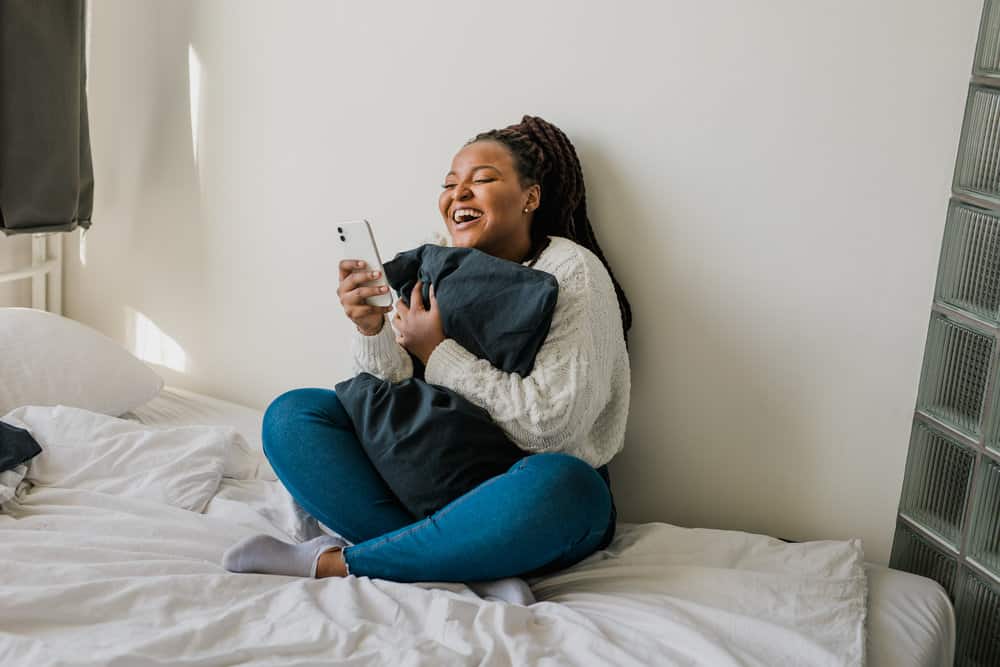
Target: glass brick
(953, 382)
(978, 622)
(969, 270)
(912, 553)
(988, 48)
(984, 535)
(937, 481)
(977, 170)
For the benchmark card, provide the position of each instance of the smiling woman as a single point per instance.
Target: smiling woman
(517, 194)
(484, 203)
(537, 159)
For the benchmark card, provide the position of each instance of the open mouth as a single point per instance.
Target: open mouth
(463, 217)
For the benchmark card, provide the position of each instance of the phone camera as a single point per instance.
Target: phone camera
(343, 238)
(340, 229)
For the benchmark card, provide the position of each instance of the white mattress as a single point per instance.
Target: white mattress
(910, 620)
(624, 601)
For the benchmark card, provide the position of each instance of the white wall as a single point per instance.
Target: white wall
(768, 179)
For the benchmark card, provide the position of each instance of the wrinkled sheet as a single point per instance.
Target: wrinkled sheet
(93, 576)
(180, 466)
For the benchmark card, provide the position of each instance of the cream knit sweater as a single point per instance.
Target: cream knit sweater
(576, 398)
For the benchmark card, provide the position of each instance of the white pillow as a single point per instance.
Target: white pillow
(47, 359)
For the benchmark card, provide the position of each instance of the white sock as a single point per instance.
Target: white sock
(267, 555)
(513, 590)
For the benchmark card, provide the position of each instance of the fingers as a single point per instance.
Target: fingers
(416, 296)
(355, 281)
(348, 265)
(359, 294)
(359, 277)
(367, 311)
(352, 273)
(359, 312)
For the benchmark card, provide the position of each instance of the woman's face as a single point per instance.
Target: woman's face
(483, 203)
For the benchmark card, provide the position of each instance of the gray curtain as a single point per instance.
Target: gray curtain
(46, 177)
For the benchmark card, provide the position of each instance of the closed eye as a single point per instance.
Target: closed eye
(484, 180)
(448, 185)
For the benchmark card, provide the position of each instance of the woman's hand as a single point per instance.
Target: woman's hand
(369, 319)
(419, 328)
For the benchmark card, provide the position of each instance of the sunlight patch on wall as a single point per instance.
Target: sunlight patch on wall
(83, 247)
(194, 89)
(148, 342)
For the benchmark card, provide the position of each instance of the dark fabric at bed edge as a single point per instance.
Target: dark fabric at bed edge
(428, 443)
(16, 446)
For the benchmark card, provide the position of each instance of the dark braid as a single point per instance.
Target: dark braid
(544, 155)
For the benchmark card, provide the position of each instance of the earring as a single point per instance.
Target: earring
(525, 209)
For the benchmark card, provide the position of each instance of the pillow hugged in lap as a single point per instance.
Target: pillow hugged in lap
(428, 443)
(496, 309)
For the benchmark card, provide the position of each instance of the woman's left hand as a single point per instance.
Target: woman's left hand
(418, 328)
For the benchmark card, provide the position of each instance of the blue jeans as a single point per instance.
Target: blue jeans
(548, 511)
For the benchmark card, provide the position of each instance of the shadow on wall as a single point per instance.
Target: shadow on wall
(15, 253)
(701, 464)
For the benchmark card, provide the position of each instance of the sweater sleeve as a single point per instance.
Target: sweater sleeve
(381, 355)
(554, 408)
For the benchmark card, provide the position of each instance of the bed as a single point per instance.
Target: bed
(95, 578)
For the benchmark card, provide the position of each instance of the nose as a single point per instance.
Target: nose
(462, 191)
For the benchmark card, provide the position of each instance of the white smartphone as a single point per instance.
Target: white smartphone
(358, 241)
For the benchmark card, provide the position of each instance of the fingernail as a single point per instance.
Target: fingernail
(375, 274)
(361, 263)
(383, 288)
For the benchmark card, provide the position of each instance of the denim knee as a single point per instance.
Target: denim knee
(575, 490)
(279, 413)
(284, 411)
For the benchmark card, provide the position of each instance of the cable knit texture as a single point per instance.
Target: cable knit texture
(576, 398)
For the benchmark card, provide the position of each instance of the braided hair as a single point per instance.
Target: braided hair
(544, 155)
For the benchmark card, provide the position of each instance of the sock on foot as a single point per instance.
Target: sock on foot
(513, 590)
(267, 555)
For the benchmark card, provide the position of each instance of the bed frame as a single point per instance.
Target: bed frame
(45, 272)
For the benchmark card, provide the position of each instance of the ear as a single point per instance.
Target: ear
(534, 198)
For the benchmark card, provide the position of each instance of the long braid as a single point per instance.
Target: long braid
(543, 154)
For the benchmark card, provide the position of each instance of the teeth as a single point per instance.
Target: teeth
(464, 214)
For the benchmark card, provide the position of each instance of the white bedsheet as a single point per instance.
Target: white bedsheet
(177, 407)
(911, 622)
(95, 579)
(92, 577)
(87, 451)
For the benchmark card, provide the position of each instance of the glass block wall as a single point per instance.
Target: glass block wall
(948, 527)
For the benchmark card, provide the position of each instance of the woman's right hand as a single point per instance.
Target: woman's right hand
(369, 319)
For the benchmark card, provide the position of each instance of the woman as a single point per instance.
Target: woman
(515, 193)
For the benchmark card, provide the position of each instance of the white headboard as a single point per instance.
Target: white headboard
(45, 272)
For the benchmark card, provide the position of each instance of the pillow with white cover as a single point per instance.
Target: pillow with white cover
(47, 359)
